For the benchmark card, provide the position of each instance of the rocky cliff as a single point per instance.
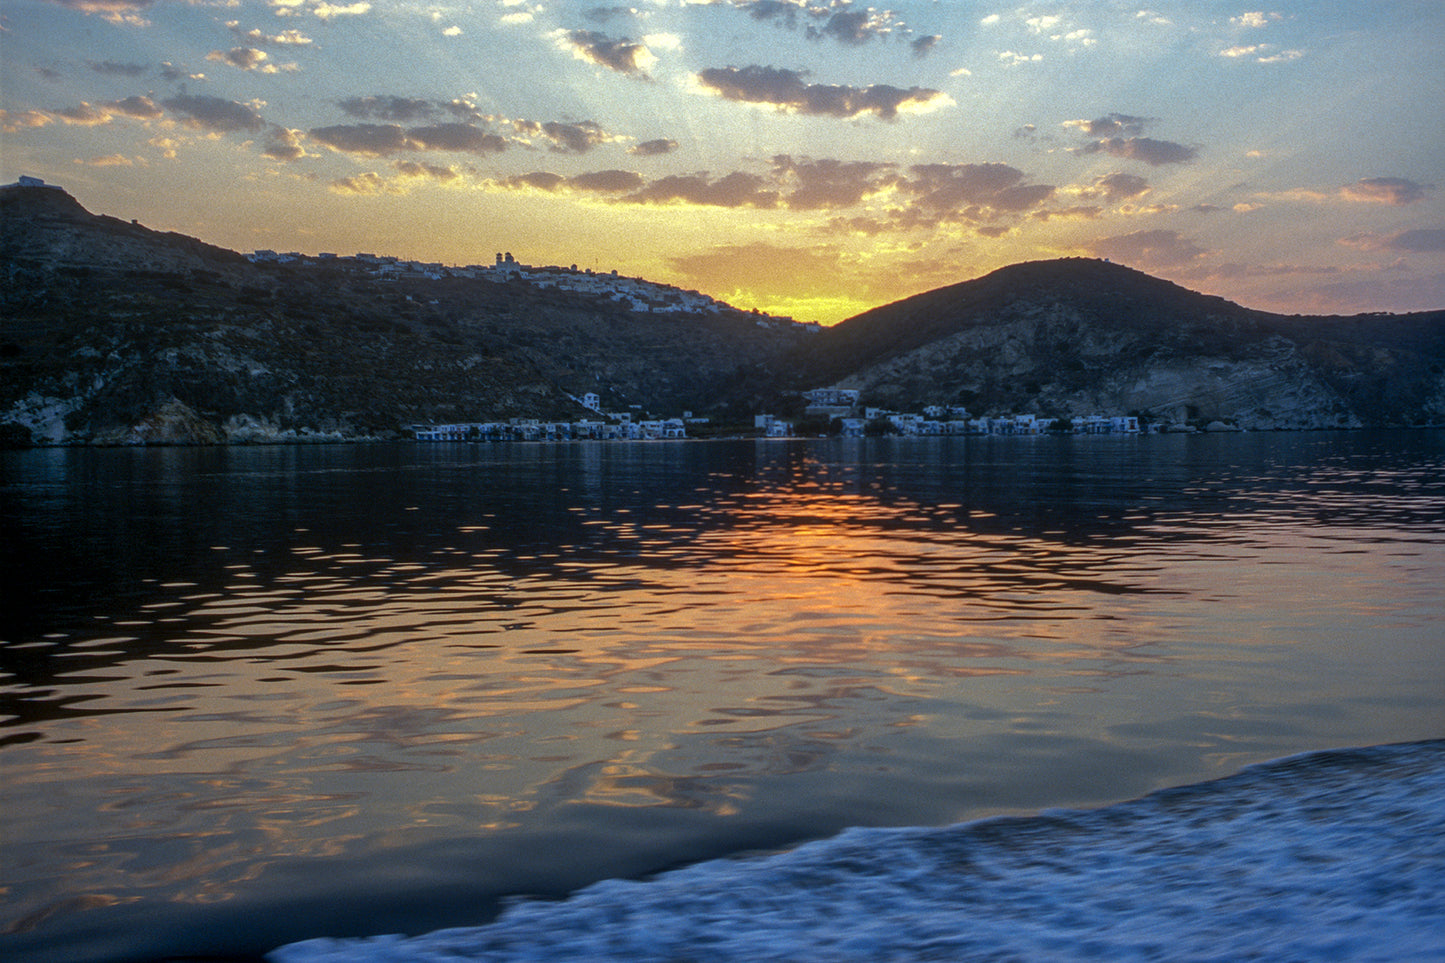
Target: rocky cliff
(1079, 336)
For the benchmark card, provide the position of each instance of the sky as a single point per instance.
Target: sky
(810, 158)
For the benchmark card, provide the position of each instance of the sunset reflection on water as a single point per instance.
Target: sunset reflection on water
(350, 657)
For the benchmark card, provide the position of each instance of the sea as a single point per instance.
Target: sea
(1138, 697)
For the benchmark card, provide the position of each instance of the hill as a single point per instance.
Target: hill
(1074, 336)
(114, 333)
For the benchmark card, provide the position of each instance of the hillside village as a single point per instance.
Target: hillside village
(836, 410)
(635, 294)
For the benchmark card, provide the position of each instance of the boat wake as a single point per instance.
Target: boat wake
(1336, 855)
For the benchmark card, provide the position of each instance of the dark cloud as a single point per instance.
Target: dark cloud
(576, 138)
(623, 55)
(1147, 149)
(371, 140)
(1420, 240)
(388, 107)
(137, 108)
(827, 184)
(853, 27)
(460, 138)
(923, 46)
(973, 191)
(214, 113)
(603, 14)
(738, 189)
(782, 11)
(1118, 187)
(1158, 248)
(612, 181)
(786, 90)
(653, 148)
(111, 67)
(540, 180)
(379, 140)
(1386, 190)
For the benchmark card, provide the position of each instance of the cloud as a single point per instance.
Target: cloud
(367, 184)
(1386, 190)
(242, 58)
(653, 148)
(738, 189)
(92, 115)
(116, 11)
(283, 144)
(1159, 248)
(1418, 241)
(972, 192)
(380, 140)
(613, 181)
(623, 55)
(923, 46)
(459, 138)
(1111, 125)
(854, 27)
(118, 69)
(1147, 149)
(785, 90)
(1254, 20)
(1012, 58)
(388, 107)
(1117, 187)
(1267, 54)
(329, 11)
(110, 160)
(830, 184)
(14, 121)
(371, 140)
(420, 170)
(286, 38)
(214, 113)
(576, 138)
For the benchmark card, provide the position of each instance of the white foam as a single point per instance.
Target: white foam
(1327, 856)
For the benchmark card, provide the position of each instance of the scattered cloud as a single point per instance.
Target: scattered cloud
(116, 11)
(738, 189)
(1012, 58)
(204, 112)
(923, 46)
(380, 140)
(653, 148)
(420, 170)
(117, 69)
(283, 144)
(14, 121)
(623, 55)
(576, 138)
(1417, 241)
(246, 58)
(1147, 149)
(286, 38)
(1255, 20)
(1117, 187)
(1386, 190)
(786, 91)
(367, 184)
(1111, 125)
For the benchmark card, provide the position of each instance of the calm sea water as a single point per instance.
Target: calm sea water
(252, 696)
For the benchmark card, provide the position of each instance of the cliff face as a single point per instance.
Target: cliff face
(116, 334)
(1078, 337)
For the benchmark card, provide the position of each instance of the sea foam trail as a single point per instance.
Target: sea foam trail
(1336, 855)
